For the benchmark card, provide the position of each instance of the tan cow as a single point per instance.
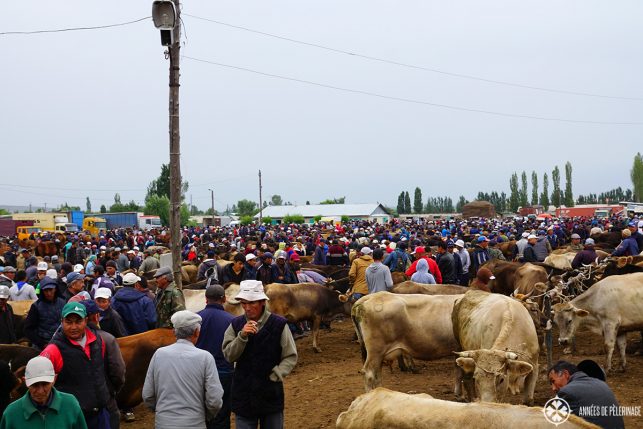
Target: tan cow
(612, 307)
(385, 409)
(390, 325)
(195, 300)
(500, 346)
(408, 287)
(561, 261)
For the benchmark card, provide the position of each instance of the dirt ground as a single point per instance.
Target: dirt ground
(323, 385)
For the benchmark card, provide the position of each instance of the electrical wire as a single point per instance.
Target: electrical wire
(416, 67)
(413, 101)
(60, 30)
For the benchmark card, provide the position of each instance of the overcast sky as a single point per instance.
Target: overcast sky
(84, 113)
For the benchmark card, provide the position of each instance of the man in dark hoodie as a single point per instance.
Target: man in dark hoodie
(136, 308)
(44, 315)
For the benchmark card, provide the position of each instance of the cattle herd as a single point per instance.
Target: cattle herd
(500, 341)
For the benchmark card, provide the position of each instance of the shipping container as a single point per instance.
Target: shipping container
(8, 226)
(77, 217)
(120, 220)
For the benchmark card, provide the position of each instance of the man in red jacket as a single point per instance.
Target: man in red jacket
(421, 253)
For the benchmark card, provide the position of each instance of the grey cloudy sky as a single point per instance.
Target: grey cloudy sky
(85, 113)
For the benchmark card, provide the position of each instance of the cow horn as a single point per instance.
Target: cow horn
(520, 297)
(511, 355)
(343, 298)
(466, 354)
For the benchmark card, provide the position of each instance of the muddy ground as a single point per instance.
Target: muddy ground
(324, 384)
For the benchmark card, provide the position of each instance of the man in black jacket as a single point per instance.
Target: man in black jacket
(588, 397)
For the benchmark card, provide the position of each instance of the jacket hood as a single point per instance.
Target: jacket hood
(422, 266)
(129, 294)
(367, 258)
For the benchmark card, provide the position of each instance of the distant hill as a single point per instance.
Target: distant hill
(19, 209)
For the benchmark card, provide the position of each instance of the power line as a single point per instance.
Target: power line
(416, 67)
(413, 101)
(60, 30)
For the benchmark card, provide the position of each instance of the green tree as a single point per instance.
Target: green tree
(637, 178)
(88, 205)
(569, 196)
(544, 197)
(345, 219)
(461, 203)
(407, 202)
(400, 203)
(534, 188)
(276, 200)
(103, 209)
(417, 201)
(340, 200)
(4, 212)
(514, 196)
(267, 220)
(246, 220)
(161, 185)
(524, 199)
(317, 218)
(159, 206)
(555, 194)
(185, 215)
(294, 218)
(247, 208)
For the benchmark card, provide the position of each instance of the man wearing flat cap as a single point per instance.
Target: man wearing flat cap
(169, 299)
(182, 385)
(261, 345)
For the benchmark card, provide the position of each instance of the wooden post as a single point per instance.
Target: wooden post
(175, 150)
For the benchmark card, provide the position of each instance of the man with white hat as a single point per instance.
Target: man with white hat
(264, 351)
(357, 273)
(465, 258)
(43, 405)
(7, 331)
(135, 307)
(110, 320)
(182, 385)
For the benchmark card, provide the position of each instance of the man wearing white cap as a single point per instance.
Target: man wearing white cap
(136, 308)
(264, 351)
(110, 320)
(466, 262)
(182, 385)
(357, 273)
(529, 254)
(43, 405)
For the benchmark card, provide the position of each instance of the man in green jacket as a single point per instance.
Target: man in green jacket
(169, 299)
(43, 406)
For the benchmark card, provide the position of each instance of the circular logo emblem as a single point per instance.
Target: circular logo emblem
(556, 411)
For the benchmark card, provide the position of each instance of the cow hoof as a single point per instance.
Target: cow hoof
(567, 351)
(129, 417)
(529, 403)
(317, 349)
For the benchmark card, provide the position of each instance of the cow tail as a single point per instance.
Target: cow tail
(356, 315)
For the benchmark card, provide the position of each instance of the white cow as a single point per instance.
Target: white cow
(612, 307)
(393, 325)
(195, 300)
(500, 346)
(384, 409)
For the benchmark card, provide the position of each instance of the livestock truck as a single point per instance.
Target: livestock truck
(134, 220)
(58, 222)
(9, 227)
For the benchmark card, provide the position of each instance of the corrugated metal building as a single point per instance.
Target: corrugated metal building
(373, 212)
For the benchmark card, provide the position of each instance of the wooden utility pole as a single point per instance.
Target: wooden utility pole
(212, 192)
(260, 199)
(175, 150)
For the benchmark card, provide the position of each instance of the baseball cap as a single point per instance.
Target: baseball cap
(48, 283)
(78, 268)
(52, 273)
(74, 308)
(90, 306)
(418, 249)
(525, 235)
(214, 291)
(4, 292)
(459, 243)
(589, 241)
(366, 250)
(9, 269)
(482, 238)
(74, 276)
(130, 279)
(250, 257)
(42, 266)
(38, 370)
(103, 292)
(163, 271)
(575, 236)
(531, 236)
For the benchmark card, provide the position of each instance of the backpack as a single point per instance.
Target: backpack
(212, 276)
(401, 263)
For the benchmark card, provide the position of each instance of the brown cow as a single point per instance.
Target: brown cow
(306, 301)
(137, 351)
(418, 288)
(512, 276)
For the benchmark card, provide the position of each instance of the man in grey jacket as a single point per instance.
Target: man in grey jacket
(588, 397)
(182, 383)
(378, 276)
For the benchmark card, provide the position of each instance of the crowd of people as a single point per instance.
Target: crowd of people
(96, 289)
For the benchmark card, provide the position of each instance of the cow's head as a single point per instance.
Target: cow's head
(567, 317)
(537, 316)
(493, 368)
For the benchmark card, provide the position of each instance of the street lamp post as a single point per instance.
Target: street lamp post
(166, 15)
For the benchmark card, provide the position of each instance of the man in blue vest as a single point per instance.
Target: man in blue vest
(264, 351)
(215, 321)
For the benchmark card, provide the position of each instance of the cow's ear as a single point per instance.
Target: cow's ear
(468, 365)
(580, 312)
(517, 368)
